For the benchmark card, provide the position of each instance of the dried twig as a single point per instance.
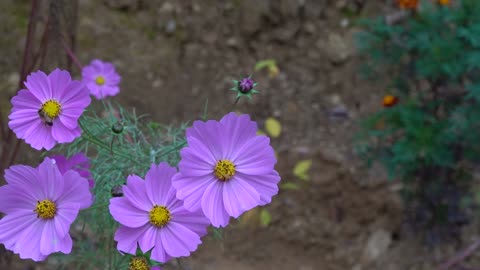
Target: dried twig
(460, 256)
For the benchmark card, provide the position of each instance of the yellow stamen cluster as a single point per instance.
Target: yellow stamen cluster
(159, 216)
(51, 108)
(224, 170)
(100, 80)
(45, 209)
(138, 263)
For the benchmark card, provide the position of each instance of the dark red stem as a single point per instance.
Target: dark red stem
(460, 256)
(71, 55)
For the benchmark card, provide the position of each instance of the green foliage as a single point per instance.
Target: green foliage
(117, 155)
(430, 139)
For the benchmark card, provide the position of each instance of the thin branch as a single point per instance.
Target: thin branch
(460, 256)
(23, 74)
(71, 55)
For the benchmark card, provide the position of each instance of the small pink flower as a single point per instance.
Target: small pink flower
(47, 111)
(40, 205)
(101, 79)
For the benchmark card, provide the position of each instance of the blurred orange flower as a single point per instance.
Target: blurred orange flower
(389, 100)
(407, 4)
(444, 2)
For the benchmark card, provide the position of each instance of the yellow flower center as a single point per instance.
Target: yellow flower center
(100, 80)
(51, 108)
(159, 216)
(224, 170)
(45, 209)
(138, 263)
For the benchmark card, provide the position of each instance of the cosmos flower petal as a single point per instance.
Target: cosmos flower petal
(158, 253)
(127, 238)
(147, 239)
(207, 133)
(194, 221)
(234, 141)
(212, 205)
(266, 185)
(52, 180)
(191, 189)
(194, 162)
(40, 136)
(13, 224)
(39, 85)
(25, 100)
(124, 212)
(146, 234)
(24, 177)
(136, 193)
(76, 190)
(62, 134)
(159, 184)
(111, 79)
(64, 218)
(13, 199)
(59, 79)
(155, 268)
(238, 130)
(52, 242)
(75, 96)
(239, 196)
(31, 231)
(255, 157)
(178, 240)
(109, 91)
(78, 162)
(43, 124)
(28, 242)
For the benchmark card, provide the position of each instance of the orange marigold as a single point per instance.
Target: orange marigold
(408, 4)
(389, 100)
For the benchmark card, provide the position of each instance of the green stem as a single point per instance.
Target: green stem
(89, 137)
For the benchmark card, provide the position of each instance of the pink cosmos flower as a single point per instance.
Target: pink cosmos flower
(78, 162)
(40, 205)
(226, 169)
(153, 217)
(101, 79)
(47, 111)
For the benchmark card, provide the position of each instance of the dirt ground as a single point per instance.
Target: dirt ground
(173, 55)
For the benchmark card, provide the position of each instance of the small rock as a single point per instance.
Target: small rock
(167, 7)
(310, 28)
(337, 48)
(338, 112)
(232, 42)
(377, 244)
(12, 81)
(170, 27)
(287, 32)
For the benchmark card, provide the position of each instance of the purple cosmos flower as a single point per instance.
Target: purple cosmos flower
(226, 169)
(101, 79)
(153, 217)
(78, 162)
(141, 263)
(245, 85)
(40, 205)
(48, 110)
